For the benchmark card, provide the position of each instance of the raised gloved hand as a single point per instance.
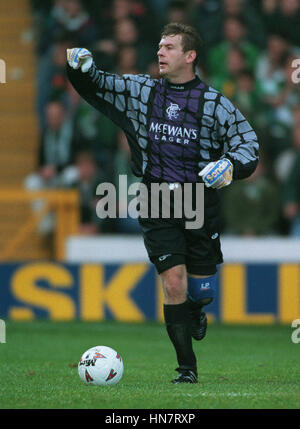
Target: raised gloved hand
(217, 174)
(80, 57)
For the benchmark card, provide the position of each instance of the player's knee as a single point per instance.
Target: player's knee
(174, 283)
(202, 290)
(173, 290)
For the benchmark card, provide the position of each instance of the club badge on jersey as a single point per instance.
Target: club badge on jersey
(217, 174)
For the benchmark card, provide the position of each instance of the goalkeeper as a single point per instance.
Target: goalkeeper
(180, 130)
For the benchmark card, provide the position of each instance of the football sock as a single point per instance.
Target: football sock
(195, 305)
(178, 328)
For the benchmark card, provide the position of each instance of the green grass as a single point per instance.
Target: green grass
(239, 367)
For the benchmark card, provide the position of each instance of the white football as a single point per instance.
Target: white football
(100, 366)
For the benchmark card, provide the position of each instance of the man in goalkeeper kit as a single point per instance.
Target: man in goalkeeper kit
(180, 130)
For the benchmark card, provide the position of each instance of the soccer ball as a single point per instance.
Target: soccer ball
(100, 366)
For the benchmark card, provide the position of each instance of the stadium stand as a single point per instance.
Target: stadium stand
(33, 39)
(18, 122)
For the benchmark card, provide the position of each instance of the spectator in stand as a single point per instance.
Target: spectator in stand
(120, 9)
(142, 12)
(114, 11)
(177, 11)
(283, 163)
(289, 97)
(270, 78)
(57, 148)
(247, 99)
(122, 167)
(45, 20)
(227, 81)
(291, 189)
(122, 36)
(58, 143)
(127, 60)
(283, 16)
(126, 33)
(205, 15)
(251, 206)
(243, 9)
(296, 115)
(68, 17)
(107, 17)
(96, 131)
(235, 36)
(51, 77)
(281, 106)
(105, 145)
(78, 23)
(270, 66)
(42, 8)
(85, 176)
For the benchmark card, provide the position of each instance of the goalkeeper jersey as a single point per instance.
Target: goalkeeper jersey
(173, 130)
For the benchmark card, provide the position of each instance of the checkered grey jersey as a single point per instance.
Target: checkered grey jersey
(173, 130)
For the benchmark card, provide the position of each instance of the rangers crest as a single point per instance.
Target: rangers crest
(173, 111)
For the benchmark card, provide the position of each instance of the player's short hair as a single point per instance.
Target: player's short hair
(191, 40)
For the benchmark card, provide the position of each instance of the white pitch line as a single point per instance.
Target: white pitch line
(232, 394)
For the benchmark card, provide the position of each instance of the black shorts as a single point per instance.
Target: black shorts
(169, 243)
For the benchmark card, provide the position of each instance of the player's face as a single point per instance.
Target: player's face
(172, 61)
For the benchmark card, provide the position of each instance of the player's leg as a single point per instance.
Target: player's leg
(201, 292)
(170, 265)
(201, 283)
(203, 256)
(176, 314)
(172, 271)
(165, 244)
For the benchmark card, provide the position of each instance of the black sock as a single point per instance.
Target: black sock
(178, 328)
(198, 305)
(195, 305)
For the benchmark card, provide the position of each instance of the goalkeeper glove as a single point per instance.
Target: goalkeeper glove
(217, 174)
(80, 57)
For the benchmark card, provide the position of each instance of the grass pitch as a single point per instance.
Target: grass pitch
(239, 367)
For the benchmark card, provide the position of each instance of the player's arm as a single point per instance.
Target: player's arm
(241, 154)
(240, 140)
(105, 91)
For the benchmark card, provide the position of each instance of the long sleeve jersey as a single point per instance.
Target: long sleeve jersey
(173, 130)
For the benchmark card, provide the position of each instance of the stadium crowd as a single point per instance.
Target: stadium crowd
(250, 54)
